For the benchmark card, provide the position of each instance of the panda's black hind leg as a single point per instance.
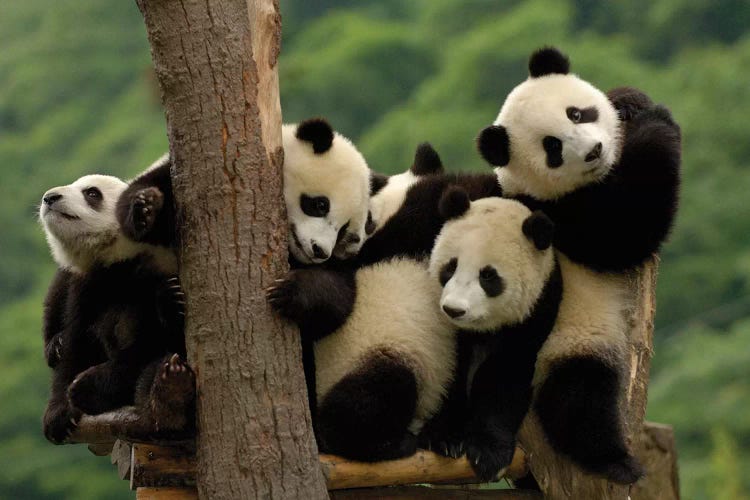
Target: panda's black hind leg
(366, 415)
(578, 409)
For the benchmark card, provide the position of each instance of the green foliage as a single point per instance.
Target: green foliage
(77, 96)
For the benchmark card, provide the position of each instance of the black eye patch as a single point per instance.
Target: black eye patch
(491, 282)
(447, 271)
(93, 197)
(585, 115)
(553, 147)
(314, 206)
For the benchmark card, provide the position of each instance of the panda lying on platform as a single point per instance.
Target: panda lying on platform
(385, 370)
(112, 328)
(610, 183)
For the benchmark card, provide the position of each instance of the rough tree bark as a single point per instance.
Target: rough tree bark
(216, 62)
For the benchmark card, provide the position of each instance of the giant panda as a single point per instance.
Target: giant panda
(110, 316)
(605, 169)
(386, 369)
(503, 294)
(326, 191)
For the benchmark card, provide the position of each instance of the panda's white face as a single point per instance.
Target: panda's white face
(563, 134)
(492, 273)
(326, 198)
(79, 219)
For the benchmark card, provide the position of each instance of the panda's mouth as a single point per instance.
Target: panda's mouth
(62, 214)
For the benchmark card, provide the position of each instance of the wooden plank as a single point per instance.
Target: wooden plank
(417, 492)
(166, 494)
(658, 454)
(101, 449)
(154, 465)
(423, 467)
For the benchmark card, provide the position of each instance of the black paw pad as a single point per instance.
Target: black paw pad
(176, 375)
(60, 423)
(145, 206)
(283, 296)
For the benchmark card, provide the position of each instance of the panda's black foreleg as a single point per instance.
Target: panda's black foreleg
(577, 405)
(366, 415)
(499, 399)
(319, 300)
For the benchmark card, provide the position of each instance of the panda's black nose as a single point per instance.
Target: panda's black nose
(318, 252)
(594, 153)
(51, 198)
(453, 313)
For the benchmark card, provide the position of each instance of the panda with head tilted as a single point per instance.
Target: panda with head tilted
(112, 326)
(386, 369)
(605, 169)
(503, 293)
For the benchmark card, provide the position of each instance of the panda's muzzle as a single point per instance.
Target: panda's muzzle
(595, 153)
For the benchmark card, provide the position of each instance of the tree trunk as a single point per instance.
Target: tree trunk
(216, 65)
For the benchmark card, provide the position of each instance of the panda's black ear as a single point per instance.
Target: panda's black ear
(318, 132)
(426, 161)
(539, 229)
(454, 203)
(547, 61)
(494, 145)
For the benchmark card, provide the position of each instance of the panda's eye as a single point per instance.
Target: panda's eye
(574, 114)
(448, 270)
(490, 281)
(92, 193)
(315, 206)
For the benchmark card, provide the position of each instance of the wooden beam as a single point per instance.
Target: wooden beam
(419, 492)
(166, 494)
(154, 465)
(658, 454)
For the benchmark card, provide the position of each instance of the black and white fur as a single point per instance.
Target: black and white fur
(605, 169)
(502, 288)
(111, 322)
(326, 189)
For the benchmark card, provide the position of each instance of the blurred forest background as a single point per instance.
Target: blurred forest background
(77, 96)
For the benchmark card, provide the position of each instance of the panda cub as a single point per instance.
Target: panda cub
(503, 293)
(381, 376)
(112, 327)
(326, 190)
(605, 168)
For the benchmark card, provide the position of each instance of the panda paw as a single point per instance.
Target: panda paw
(60, 422)
(451, 446)
(283, 296)
(172, 395)
(145, 205)
(489, 453)
(174, 378)
(89, 392)
(53, 350)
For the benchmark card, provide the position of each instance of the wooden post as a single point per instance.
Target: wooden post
(556, 475)
(216, 62)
